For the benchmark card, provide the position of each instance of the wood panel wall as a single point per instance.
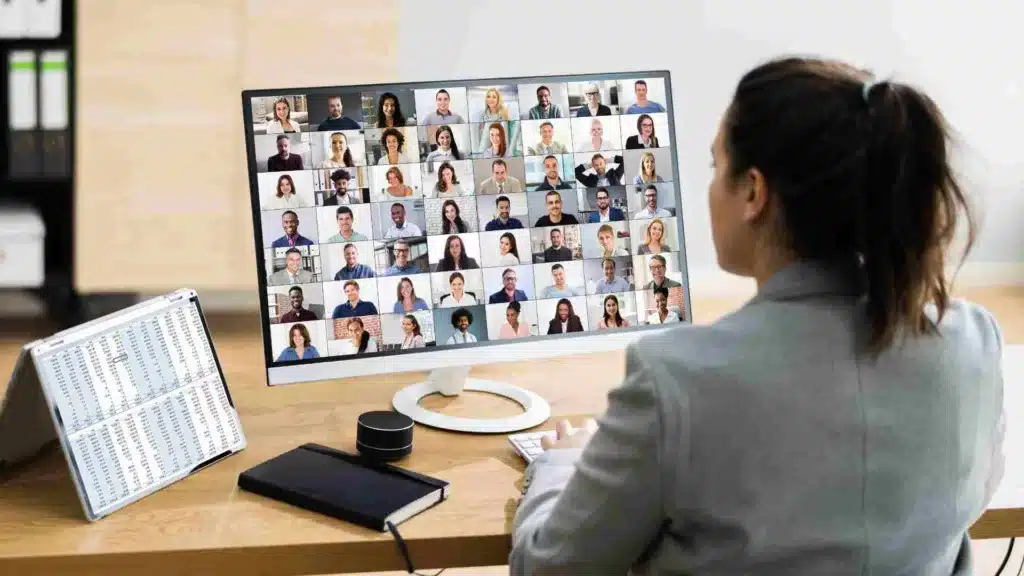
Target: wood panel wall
(162, 196)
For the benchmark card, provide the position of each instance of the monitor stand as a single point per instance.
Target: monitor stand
(452, 381)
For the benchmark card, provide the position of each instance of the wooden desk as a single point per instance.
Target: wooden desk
(205, 525)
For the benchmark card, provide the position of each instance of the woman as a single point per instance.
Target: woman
(594, 106)
(299, 347)
(645, 137)
(389, 111)
(359, 338)
(285, 196)
(495, 142)
(565, 319)
(654, 238)
(412, 336)
(513, 328)
(447, 149)
(396, 187)
(848, 419)
(282, 122)
(509, 252)
(451, 219)
(606, 241)
(447, 183)
(494, 107)
(646, 173)
(455, 257)
(406, 300)
(662, 315)
(392, 143)
(341, 156)
(612, 318)
(457, 295)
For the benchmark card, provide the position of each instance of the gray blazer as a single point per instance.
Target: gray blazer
(761, 444)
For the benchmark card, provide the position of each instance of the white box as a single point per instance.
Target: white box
(22, 235)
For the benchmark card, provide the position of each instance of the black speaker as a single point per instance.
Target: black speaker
(384, 435)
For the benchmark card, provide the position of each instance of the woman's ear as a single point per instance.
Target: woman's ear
(755, 195)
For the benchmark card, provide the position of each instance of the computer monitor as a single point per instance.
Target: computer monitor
(417, 226)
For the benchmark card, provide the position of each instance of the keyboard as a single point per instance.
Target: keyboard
(527, 444)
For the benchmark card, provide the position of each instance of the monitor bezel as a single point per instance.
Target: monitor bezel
(396, 361)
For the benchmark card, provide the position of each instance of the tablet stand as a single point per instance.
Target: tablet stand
(451, 382)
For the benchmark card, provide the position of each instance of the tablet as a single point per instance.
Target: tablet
(136, 400)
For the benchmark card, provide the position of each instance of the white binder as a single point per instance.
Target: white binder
(54, 86)
(12, 18)
(21, 87)
(42, 18)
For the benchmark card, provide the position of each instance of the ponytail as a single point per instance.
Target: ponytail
(364, 341)
(861, 174)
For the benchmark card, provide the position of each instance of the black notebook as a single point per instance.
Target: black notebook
(346, 486)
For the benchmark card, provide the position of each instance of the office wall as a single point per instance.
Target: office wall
(162, 192)
(965, 55)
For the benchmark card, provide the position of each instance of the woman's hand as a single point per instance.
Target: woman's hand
(569, 437)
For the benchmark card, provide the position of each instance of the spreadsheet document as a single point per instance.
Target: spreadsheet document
(141, 404)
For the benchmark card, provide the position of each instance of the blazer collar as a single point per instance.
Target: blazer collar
(812, 278)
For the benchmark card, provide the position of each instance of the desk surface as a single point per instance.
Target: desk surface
(204, 524)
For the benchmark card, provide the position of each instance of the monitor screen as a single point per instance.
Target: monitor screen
(406, 218)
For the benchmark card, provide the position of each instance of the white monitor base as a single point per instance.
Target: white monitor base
(450, 382)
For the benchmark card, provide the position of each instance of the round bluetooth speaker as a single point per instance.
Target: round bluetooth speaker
(384, 435)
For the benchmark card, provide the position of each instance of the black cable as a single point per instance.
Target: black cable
(1009, 550)
(1019, 570)
(404, 551)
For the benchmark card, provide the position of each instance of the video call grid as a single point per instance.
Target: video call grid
(571, 136)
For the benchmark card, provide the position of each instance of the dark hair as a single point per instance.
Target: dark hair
(344, 210)
(551, 156)
(663, 291)
(547, 123)
(503, 146)
(639, 121)
(398, 136)
(339, 174)
(447, 262)
(415, 324)
(292, 251)
(398, 289)
(287, 212)
(456, 275)
(557, 267)
(397, 117)
(460, 313)
(497, 162)
(513, 249)
(659, 258)
(454, 147)
(860, 173)
(295, 289)
(514, 305)
(440, 170)
(568, 303)
(347, 156)
(302, 330)
(458, 224)
(502, 197)
(602, 189)
(291, 183)
(281, 137)
(543, 87)
(618, 314)
(639, 82)
(442, 91)
(364, 340)
(350, 283)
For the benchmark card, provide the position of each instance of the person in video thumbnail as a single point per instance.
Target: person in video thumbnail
(508, 250)
(555, 216)
(392, 142)
(412, 335)
(389, 111)
(457, 295)
(455, 257)
(593, 106)
(612, 318)
(282, 121)
(651, 209)
(299, 347)
(494, 107)
(642, 104)
(496, 144)
(657, 267)
(513, 328)
(451, 219)
(352, 268)
(647, 171)
(654, 238)
(610, 282)
(334, 120)
(645, 137)
(545, 108)
(447, 149)
(662, 315)
(565, 319)
(342, 196)
(596, 142)
(557, 252)
(552, 181)
(605, 211)
(547, 144)
(284, 159)
(359, 338)
(341, 156)
(559, 289)
(290, 224)
(508, 292)
(503, 221)
(406, 298)
(500, 182)
(596, 172)
(353, 306)
(606, 239)
(462, 319)
(293, 273)
(285, 196)
(346, 233)
(447, 185)
(401, 228)
(443, 114)
(402, 263)
(297, 313)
